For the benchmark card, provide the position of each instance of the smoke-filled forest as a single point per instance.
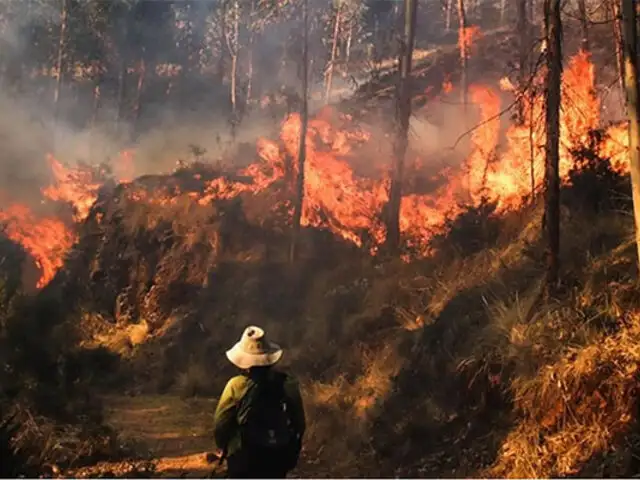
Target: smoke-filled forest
(432, 205)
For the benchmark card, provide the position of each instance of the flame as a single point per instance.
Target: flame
(467, 36)
(74, 186)
(503, 166)
(447, 86)
(507, 85)
(47, 240)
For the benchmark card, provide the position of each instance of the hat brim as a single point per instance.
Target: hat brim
(244, 360)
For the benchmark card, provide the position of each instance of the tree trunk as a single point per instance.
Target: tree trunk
(62, 43)
(532, 153)
(96, 102)
(332, 59)
(252, 36)
(220, 68)
(122, 74)
(630, 38)
(523, 53)
(139, 89)
(584, 24)
(403, 115)
(447, 15)
(302, 149)
(617, 35)
(503, 11)
(249, 73)
(233, 50)
(553, 33)
(462, 45)
(533, 13)
(347, 57)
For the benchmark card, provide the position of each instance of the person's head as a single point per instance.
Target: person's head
(254, 353)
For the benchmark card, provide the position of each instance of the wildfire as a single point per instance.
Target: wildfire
(447, 86)
(467, 37)
(75, 187)
(47, 240)
(502, 166)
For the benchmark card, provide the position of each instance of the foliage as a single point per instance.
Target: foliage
(475, 228)
(594, 185)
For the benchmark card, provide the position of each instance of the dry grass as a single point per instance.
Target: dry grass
(366, 391)
(570, 366)
(574, 408)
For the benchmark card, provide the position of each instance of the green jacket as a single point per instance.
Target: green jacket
(226, 430)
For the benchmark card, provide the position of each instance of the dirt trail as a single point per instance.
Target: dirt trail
(174, 433)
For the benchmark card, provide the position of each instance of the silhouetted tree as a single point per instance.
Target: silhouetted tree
(553, 36)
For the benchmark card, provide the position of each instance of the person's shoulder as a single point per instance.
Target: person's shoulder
(236, 383)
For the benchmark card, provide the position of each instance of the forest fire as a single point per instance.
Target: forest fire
(73, 186)
(502, 167)
(467, 37)
(47, 240)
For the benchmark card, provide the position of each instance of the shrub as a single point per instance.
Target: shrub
(477, 227)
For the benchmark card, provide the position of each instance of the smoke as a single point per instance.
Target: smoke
(194, 117)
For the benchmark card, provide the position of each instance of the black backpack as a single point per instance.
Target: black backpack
(263, 417)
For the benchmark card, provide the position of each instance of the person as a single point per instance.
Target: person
(259, 419)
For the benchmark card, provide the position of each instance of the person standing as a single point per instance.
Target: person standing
(259, 419)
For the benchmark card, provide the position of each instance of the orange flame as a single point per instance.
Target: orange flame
(76, 187)
(47, 240)
(502, 166)
(447, 86)
(467, 36)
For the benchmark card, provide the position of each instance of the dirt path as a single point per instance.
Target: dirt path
(174, 433)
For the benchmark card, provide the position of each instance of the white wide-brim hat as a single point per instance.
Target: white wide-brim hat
(254, 350)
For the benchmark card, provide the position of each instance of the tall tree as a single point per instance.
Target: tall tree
(60, 63)
(584, 24)
(233, 44)
(617, 36)
(302, 150)
(334, 49)
(403, 115)
(553, 35)
(630, 39)
(523, 54)
(463, 43)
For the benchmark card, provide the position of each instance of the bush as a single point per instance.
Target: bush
(593, 183)
(477, 227)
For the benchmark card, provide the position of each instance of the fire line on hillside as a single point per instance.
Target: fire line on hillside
(335, 197)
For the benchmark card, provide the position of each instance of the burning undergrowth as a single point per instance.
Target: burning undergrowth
(164, 270)
(502, 167)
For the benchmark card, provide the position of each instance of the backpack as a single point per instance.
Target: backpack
(263, 418)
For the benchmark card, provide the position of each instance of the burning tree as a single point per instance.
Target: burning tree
(403, 115)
